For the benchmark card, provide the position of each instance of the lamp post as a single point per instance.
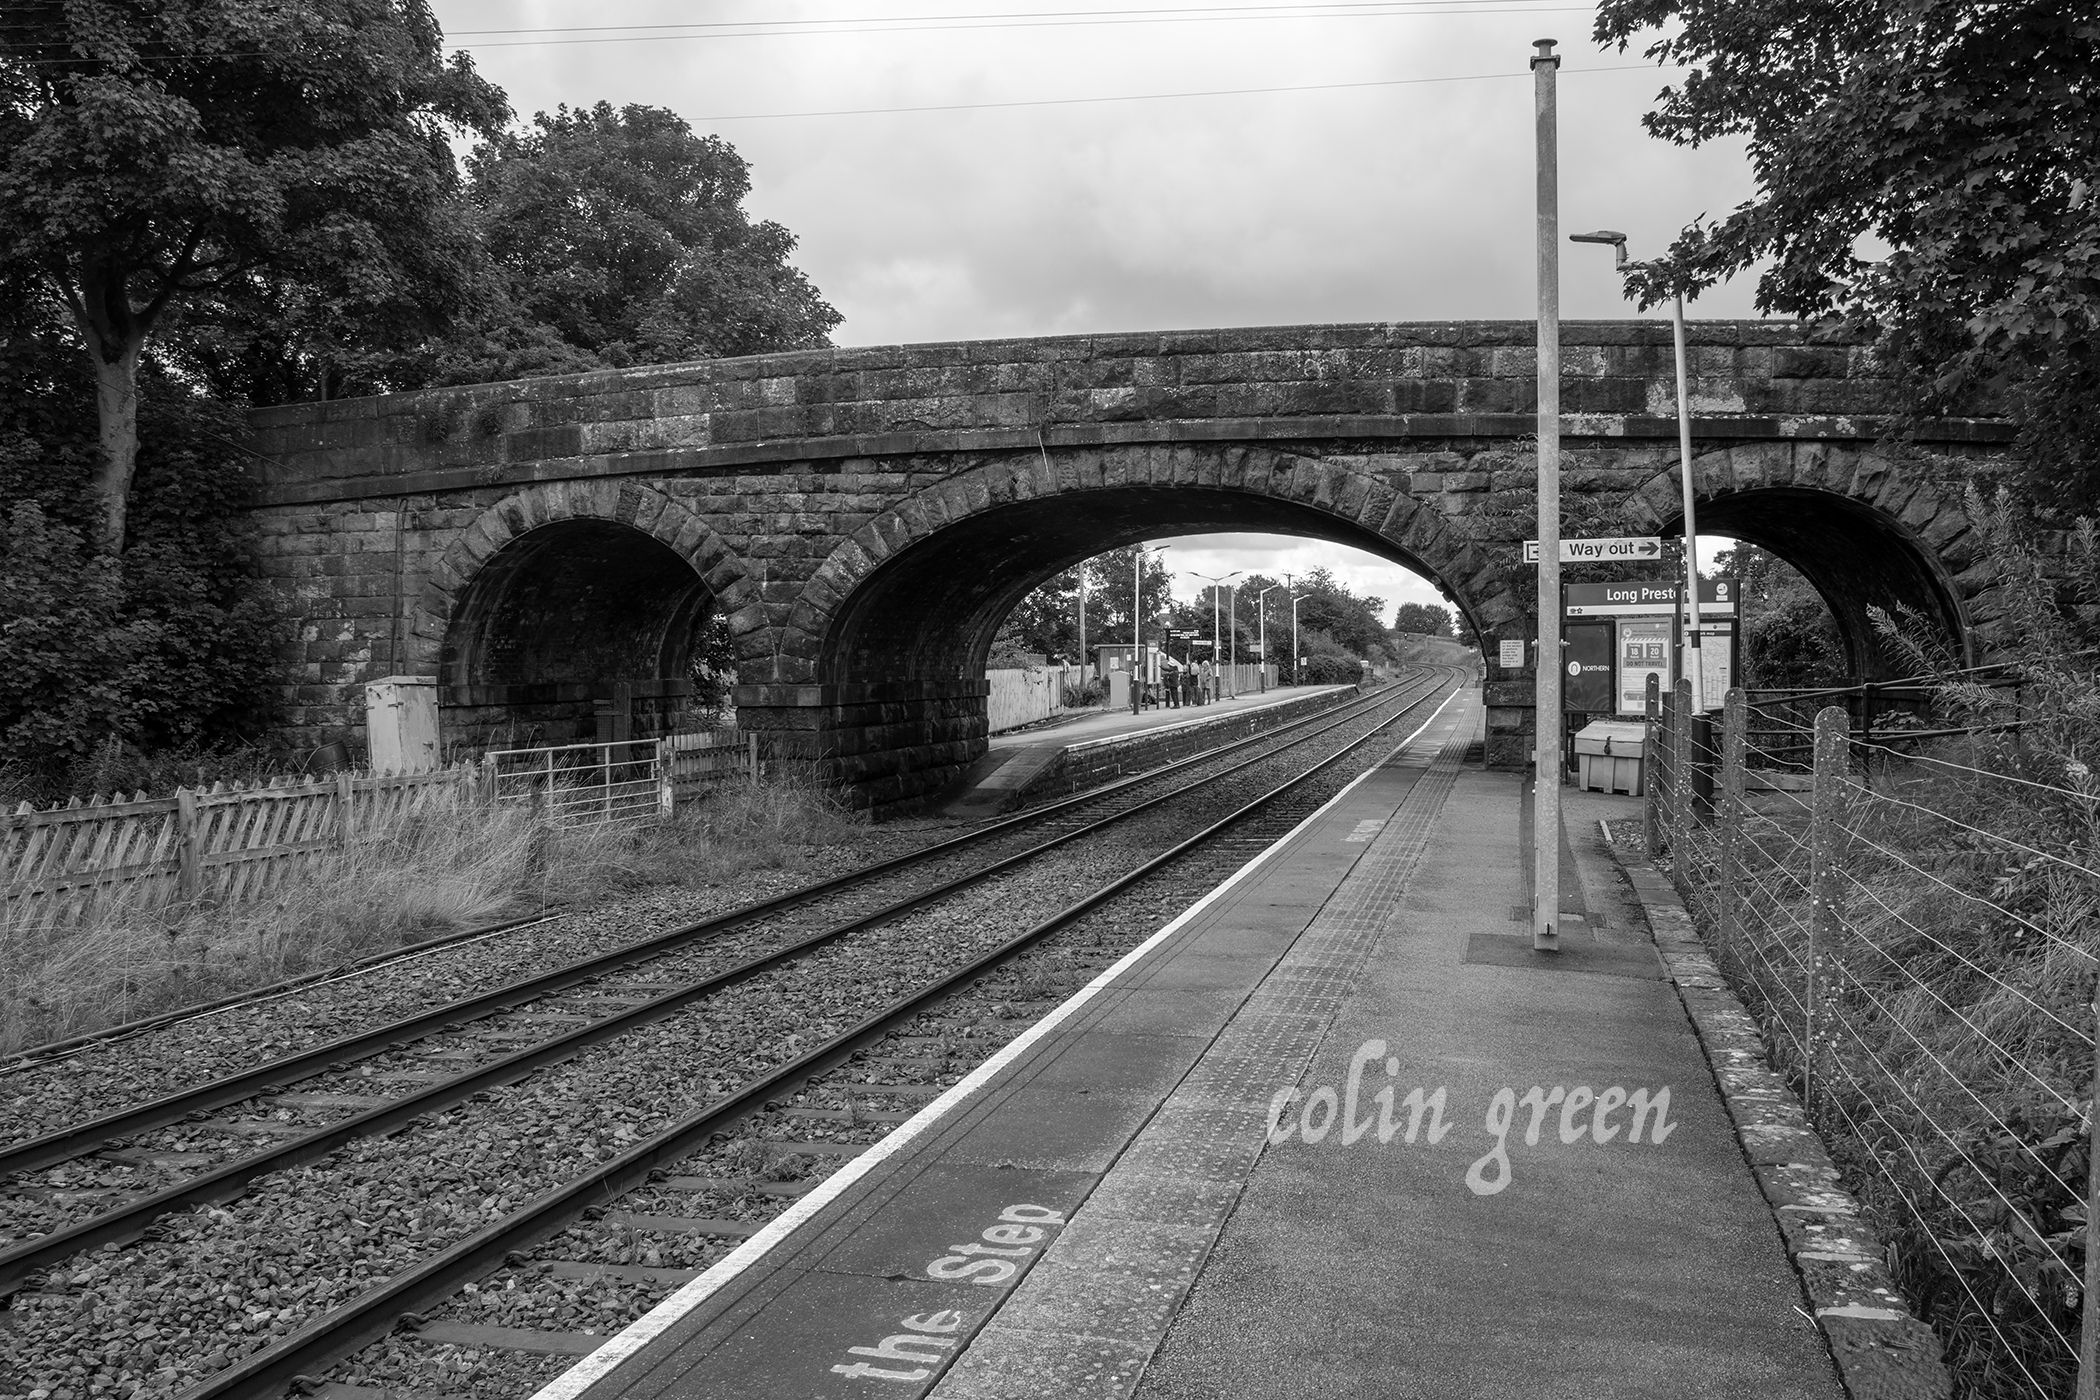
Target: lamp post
(1695, 670)
(1297, 661)
(1261, 611)
(1217, 642)
(1082, 621)
(1137, 625)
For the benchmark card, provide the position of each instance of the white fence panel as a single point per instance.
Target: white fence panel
(1025, 695)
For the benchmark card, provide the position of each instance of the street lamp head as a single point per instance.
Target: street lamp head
(1604, 235)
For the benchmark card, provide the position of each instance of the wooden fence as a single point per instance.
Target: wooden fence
(236, 842)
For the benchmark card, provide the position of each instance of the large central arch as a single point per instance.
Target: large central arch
(880, 667)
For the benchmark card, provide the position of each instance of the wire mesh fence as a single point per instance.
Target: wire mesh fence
(1915, 932)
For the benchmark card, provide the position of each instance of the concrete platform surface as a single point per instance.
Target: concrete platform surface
(1207, 1178)
(1103, 723)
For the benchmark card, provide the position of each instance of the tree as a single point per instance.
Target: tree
(1423, 620)
(1046, 622)
(1790, 640)
(153, 156)
(1108, 596)
(1962, 134)
(623, 240)
(1328, 606)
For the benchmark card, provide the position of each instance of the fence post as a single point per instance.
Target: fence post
(1826, 827)
(751, 755)
(189, 865)
(1729, 814)
(2089, 1313)
(666, 799)
(1652, 760)
(1680, 837)
(345, 812)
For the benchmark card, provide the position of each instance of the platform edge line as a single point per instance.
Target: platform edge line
(591, 1369)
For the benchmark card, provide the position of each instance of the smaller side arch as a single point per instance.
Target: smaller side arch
(574, 611)
(643, 508)
(1865, 530)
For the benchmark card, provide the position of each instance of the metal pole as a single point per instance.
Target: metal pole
(1083, 658)
(1233, 673)
(1137, 591)
(1261, 610)
(1692, 656)
(1545, 909)
(1297, 660)
(1217, 640)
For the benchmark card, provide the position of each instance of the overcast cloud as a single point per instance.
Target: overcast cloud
(1377, 203)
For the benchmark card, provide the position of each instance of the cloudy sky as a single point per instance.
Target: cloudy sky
(1060, 177)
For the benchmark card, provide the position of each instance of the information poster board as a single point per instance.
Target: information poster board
(1644, 651)
(1716, 660)
(1588, 688)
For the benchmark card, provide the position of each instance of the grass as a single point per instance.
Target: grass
(1952, 1076)
(447, 865)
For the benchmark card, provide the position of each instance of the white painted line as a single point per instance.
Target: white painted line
(659, 1319)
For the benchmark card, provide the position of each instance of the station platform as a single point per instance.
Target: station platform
(1016, 760)
(1335, 1131)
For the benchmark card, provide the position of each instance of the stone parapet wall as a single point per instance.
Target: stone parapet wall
(1435, 379)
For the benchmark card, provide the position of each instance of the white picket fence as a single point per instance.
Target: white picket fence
(235, 842)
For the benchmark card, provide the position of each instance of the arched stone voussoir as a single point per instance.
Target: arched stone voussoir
(1359, 501)
(660, 517)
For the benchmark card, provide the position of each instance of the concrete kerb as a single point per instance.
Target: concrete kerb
(1881, 1349)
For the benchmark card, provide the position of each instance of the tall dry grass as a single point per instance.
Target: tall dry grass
(448, 864)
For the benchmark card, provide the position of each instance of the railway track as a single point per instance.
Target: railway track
(657, 1008)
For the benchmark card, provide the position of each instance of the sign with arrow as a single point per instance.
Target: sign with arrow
(1620, 549)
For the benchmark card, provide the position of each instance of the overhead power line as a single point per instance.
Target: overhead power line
(1021, 19)
(1149, 96)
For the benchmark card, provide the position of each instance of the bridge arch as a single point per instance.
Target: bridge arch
(1862, 530)
(883, 654)
(564, 594)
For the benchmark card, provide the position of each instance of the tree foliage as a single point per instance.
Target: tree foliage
(622, 239)
(200, 154)
(1423, 620)
(1962, 135)
(172, 644)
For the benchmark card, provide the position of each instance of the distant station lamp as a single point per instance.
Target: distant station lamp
(1137, 620)
(1217, 630)
(1261, 612)
(1694, 670)
(1297, 661)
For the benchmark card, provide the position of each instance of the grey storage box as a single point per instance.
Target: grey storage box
(1608, 755)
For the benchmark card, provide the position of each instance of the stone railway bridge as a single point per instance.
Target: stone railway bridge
(864, 518)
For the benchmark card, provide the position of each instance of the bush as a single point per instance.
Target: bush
(1332, 670)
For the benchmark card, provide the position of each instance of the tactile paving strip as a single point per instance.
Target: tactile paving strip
(1086, 1321)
